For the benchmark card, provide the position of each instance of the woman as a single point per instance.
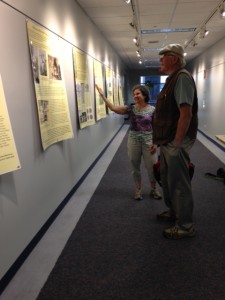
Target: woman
(140, 137)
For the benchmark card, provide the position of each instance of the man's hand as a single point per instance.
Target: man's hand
(153, 149)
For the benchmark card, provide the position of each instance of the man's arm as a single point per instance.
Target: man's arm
(183, 123)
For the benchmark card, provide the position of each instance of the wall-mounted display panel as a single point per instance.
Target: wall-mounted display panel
(82, 84)
(120, 90)
(109, 85)
(9, 160)
(98, 79)
(115, 89)
(52, 104)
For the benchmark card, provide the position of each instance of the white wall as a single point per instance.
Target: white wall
(29, 196)
(211, 90)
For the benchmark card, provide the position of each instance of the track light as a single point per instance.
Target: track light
(203, 33)
(135, 40)
(140, 61)
(127, 1)
(138, 53)
(222, 11)
(193, 43)
(133, 24)
(206, 32)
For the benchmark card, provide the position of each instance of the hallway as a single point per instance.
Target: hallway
(31, 277)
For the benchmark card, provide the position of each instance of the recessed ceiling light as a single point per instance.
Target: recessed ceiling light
(167, 30)
(152, 49)
(153, 42)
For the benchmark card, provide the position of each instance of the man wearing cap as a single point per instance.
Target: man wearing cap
(175, 130)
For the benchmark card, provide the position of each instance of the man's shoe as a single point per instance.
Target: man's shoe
(176, 232)
(138, 194)
(166, 216)
(155, 194)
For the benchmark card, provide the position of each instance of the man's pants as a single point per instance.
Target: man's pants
(176, 182)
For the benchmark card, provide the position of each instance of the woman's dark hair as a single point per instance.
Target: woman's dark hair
(144, 90)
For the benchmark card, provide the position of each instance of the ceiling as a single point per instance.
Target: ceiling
(120, 22)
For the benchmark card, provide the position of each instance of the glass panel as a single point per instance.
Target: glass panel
(155, 84)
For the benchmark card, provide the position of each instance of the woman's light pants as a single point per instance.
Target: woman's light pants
(136, 150)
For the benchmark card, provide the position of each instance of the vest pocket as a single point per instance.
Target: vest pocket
(164, 132)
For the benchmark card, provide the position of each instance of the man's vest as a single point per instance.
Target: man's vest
(167, 113)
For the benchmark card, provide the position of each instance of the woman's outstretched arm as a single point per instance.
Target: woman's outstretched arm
(121, 110)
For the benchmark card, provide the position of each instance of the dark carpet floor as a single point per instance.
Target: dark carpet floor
(117, 250)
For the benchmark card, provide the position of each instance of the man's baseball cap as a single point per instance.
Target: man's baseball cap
(176, 49)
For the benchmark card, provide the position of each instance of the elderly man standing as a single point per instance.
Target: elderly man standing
(175, 130)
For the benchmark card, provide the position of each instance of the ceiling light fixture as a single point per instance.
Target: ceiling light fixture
(132, 24)
(222, 11)
(135, 24)
(127, 1)
(193, 43)
(168, 30)
(152, 49)
(206, 32)
(203, 33)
